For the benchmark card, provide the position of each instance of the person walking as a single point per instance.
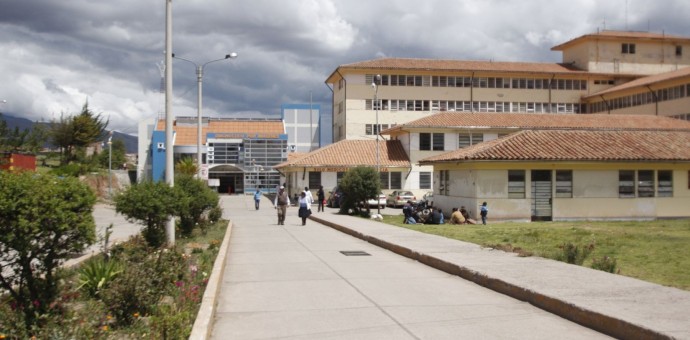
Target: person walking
(304, 207)
(281, 202)
(257, 198)
(308, 194)
(322, 197)
(483, 211)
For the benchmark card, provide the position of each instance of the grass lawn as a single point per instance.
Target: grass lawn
(654, 251)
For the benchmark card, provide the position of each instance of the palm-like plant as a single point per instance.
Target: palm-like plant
(186, 166)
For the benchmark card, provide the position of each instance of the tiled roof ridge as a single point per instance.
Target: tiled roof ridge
(577, 145)
(392, 154)
(545, 121)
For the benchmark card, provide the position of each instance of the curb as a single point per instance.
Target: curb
(204, 318)
(606, 324)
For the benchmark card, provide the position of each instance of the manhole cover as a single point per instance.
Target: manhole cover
(354, 253)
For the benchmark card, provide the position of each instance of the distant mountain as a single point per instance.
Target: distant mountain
(131, 142)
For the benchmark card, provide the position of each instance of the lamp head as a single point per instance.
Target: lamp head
(232, 55)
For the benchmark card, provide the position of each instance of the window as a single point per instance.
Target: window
(424, 141)
(679, 51)
(438, 141)
(339, 176)
(469, 139)
(626, 183)
(396, 180)
(628, 49)
(425, 180)
(390, 180)
(645, 183)
(314, 180)
(665, 183)
(443, 182)
(383, 177)
(516, 183)
(564, 183)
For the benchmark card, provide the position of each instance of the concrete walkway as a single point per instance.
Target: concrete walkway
(296, 282)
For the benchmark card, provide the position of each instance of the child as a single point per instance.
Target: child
(484, 210)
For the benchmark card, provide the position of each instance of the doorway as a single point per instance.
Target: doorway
(541, 195)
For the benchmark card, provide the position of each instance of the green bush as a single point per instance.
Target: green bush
(142, 284)
(44, 220)
(195, 198)
(574, 254)
(607, 264)
(97, 273)
(215, 214)
(149, 203)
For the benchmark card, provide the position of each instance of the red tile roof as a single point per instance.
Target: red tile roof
(621, 35)
(454, 120)
(657, 78)
(186, 134)
(573, 145)
(447, 65)
(350, 153)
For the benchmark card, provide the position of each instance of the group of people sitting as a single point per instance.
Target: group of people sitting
(435, 216)
(461, 216)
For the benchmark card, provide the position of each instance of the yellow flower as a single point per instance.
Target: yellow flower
(136, 315)
(105, 328)
(109, 317)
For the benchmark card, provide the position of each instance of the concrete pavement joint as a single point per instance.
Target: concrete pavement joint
(603, 323)
(401, 325)
(202, 325)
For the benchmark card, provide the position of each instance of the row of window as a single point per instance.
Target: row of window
(627, 48)
(436, 141)
(389, 180)
(469, 106)
(631, 183)
(479, 82)
(670, 93)
(373, 129)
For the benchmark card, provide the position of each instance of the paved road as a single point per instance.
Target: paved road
(294, 282)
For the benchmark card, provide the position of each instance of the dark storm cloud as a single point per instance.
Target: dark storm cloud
(58, 54)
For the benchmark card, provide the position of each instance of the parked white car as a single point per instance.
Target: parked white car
(381, 201)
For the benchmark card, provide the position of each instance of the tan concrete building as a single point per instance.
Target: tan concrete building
(592, 65)
(327, 165)
(570, 175)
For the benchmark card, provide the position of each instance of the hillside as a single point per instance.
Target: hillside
(131, 142)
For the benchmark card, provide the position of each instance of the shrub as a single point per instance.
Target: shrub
(574, 254)
(195, 198)
(607, 264)
(97, 273)
(138, 289)
(44, 220)
(151, 204)
(215, 214)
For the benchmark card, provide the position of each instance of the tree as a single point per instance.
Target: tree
(360, 184)
(105, 159)
(27, 140)
(44, 220)
(151, 204)
(195, 199)
(75, 133)
(186, 166)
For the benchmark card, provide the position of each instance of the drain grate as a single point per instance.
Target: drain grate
(354, 253)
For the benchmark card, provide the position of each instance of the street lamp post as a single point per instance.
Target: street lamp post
(199, 82)
(375, 85)
(110, 165)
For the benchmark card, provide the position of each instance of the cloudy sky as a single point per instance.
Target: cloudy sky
(57, 54)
